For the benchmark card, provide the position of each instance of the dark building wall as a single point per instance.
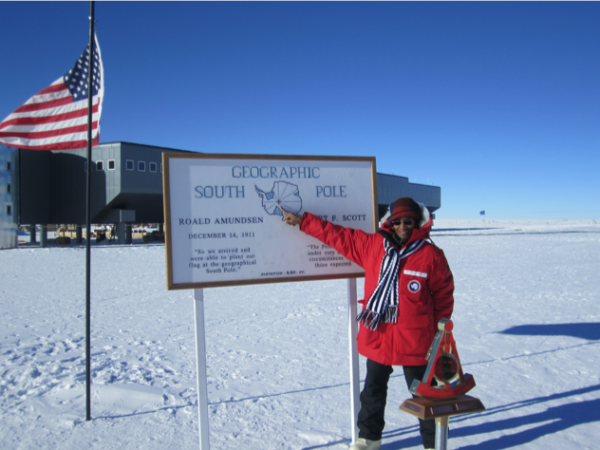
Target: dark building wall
(391, 187)
(431, 196)
(52, 187)
(127, 182)
(34, 187)
(138, 181)
(109, 155)
(68, 187)
(8, 204)
(53, 184)
(139, 186)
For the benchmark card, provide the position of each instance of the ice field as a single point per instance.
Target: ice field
(527, 327)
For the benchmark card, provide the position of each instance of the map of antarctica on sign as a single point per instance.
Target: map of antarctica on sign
(224, 225)
(282, 194)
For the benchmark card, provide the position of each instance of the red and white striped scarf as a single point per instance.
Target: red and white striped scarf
(383, 303)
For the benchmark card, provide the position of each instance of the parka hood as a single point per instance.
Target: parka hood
(419, 233)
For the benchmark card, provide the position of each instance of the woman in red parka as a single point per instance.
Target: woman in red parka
(408, 289)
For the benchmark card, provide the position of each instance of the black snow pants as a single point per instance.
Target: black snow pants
(373, 399)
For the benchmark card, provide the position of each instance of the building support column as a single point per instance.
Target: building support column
(44, 235)
(128, 234)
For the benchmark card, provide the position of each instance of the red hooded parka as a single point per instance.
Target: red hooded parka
(425, 282)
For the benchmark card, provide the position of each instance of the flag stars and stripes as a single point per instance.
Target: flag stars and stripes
(77, 79)
(56, 117)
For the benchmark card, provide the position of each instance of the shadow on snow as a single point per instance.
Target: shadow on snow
(555, 419)
(589, 330)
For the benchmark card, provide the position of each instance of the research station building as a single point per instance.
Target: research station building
(46, 188)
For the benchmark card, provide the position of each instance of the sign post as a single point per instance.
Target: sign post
(224, 228)
(203, 429)
(354, 367)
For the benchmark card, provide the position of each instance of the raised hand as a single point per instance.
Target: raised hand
(290, 218)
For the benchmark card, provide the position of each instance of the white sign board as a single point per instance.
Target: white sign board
(224, 227)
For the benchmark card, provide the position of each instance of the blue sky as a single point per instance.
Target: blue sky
(497, 102)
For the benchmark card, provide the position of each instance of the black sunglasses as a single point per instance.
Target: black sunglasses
(403, 221)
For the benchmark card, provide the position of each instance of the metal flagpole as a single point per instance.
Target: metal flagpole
(88, 364)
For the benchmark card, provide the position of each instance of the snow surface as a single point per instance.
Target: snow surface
(527, 326)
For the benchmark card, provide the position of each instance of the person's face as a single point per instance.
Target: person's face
(403, 227)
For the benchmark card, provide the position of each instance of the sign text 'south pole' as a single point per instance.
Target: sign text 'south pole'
(202, 382)
(354, 367)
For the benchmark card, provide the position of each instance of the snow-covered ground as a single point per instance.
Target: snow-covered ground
(527, 320)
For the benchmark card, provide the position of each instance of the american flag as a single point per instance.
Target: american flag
(56, 117)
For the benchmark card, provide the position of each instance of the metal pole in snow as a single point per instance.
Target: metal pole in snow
(201, 368)
(441, 433)
(88, 364)
(354, 367)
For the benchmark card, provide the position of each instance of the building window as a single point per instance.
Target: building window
(152, 167)
(99, 165)
(8, 166)
(141, 166)
(8, 188)
(129, 164)
(8, 210)
(111, 164)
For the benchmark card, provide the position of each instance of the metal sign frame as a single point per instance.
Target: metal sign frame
(181, 172)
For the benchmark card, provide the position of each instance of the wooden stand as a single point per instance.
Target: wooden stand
(432, 409)
(447, 396)
(441, 410)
